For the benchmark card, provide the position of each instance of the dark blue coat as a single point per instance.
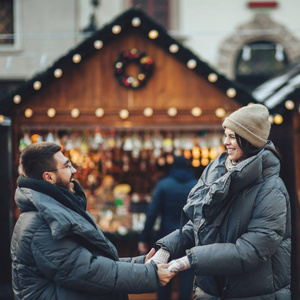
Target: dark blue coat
(169, 197)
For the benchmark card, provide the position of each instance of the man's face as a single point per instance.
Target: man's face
(64, 172)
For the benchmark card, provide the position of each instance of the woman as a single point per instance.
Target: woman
(168, 200)
(237, 240)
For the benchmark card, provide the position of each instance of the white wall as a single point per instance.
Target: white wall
(47, 29)
(206, 24)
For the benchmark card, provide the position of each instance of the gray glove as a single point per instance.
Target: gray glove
(179, 264)
(160, 257)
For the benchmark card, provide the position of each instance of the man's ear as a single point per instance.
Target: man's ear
(49, 176)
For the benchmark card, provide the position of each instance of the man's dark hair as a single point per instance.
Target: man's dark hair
(38, 158)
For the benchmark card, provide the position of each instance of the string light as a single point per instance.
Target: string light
(98, 44)
(51, 112)
(99, 112)
(124, 114)
(28, 113)
(75, 113)
(136, 22)
(278, 119)
(37, 85)
(220, 112)
(271, 119)
(17, 99)
(76, 58)
(191, 64)
(58, 73)
(153, 34)
(172, 111)
(148, 112)
(289, 104)
(231, 92)
(212, 77)
(116, 29)
(196, 111)
(174, 48)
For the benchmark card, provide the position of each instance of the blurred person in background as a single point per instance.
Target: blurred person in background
(168, 199)
(238, 237)
(57, 250)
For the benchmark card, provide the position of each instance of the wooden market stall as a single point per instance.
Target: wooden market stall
(121, 104)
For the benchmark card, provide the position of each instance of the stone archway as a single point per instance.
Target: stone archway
(262, 27)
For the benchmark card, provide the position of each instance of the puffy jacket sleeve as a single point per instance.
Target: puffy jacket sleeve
(263, 237)
(177, 243)
(72, 266)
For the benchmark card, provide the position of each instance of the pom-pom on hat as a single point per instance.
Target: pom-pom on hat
(251, 123)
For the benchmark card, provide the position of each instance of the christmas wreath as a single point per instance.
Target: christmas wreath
(145, 63)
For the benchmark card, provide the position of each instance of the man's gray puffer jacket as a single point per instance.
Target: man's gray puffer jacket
(244, 254)
(58, 254)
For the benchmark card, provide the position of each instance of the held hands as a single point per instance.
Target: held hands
(164, 275)
(179, 264)
(160, 257)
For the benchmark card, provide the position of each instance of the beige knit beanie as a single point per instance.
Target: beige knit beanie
(250, 122)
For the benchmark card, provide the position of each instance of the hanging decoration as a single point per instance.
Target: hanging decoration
(145, 63)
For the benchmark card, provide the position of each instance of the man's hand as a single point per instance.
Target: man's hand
(150, 254)
(164, 275)
(143, 247)
(179, 264)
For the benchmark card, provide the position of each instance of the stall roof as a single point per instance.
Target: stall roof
(285, 86)
(132, 19)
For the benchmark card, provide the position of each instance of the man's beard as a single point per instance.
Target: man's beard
(69, 185)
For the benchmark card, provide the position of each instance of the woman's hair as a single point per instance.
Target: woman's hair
(250, 150)
(38, 158)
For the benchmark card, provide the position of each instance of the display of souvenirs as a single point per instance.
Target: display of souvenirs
(119, 168)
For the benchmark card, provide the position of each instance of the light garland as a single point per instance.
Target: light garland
(146, 68)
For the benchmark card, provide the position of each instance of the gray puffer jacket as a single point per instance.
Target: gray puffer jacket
(58, 254)
(238, 237)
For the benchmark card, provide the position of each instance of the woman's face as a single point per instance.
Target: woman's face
(234, 151)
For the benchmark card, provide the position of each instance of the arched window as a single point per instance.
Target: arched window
(258, 61)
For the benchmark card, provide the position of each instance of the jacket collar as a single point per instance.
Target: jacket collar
(62, 220)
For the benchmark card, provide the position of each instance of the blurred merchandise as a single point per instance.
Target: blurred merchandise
(118, 168)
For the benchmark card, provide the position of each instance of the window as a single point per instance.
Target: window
(6, 22)
(259, 61)
(157, 9)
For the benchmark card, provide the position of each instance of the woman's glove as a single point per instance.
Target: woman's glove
(160, 257)
(179, 264)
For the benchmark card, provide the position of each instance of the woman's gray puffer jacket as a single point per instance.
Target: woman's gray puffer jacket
(244, 254)
(58, 254)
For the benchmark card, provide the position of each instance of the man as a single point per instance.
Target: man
(168, 199)
(58, 252)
